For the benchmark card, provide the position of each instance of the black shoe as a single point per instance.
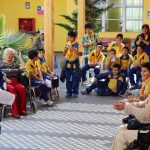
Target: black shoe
(68, 96)
(75, 96)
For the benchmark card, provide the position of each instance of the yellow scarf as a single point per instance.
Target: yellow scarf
(142, 92)
(139, 57)
(70, 52)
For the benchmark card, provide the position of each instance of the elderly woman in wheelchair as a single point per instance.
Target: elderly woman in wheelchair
(11, 69)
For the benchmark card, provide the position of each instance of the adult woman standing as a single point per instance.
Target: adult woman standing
(19, 106)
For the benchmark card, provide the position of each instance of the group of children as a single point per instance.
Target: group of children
(40, 74)
(121, 66)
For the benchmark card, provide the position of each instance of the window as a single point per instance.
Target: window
(126, 16)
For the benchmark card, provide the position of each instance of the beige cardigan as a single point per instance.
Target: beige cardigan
(141, 114)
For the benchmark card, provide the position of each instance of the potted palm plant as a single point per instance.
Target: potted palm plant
(13, 39)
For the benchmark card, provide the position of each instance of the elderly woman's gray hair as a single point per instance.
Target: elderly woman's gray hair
(8, 50)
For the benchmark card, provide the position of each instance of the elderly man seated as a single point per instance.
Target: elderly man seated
(140, 110)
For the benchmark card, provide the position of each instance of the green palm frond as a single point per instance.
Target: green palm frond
(69, 19)
(16, 40)
(2, 24)
(65, 26)
(93, 10)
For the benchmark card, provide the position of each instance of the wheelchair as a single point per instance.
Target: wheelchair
(26, 82)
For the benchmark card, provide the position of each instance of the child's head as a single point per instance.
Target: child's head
(116, 69)
(112, 52)
(140, 49)
(125, 51)
(99, 47)
(145, 73)
(88, 28)
(41, 53)
(119, 38)
(72, 35)
(33, 55)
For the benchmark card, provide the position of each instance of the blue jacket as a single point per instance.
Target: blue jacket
(121, 82)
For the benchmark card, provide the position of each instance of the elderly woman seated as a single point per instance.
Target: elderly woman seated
(140, 109)
(13, 86)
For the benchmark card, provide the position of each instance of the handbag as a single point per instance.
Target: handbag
(134, 124)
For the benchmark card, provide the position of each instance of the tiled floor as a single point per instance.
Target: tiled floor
(85, 123)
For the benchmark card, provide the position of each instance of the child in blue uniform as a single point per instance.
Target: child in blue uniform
(125, 61)
(37, 78)
(108, 84)
(72, 67)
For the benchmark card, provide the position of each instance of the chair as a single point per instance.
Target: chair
(82, 63)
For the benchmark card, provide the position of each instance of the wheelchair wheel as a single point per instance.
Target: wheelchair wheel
(33, 107)
(57, 93)
(3, 111)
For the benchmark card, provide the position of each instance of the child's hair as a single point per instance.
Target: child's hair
(32, 54)
(119, 35)
(141, 46)
(88, 25)
(146, 65)
(41, 50)
(127, 48)
(72, 33)
(117, 66)
(113, 50)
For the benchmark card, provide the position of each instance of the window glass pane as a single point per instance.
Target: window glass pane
(133, 26)
(135, 2)
(114, 13)
(134, 13)
(113, 25)
(115, 2)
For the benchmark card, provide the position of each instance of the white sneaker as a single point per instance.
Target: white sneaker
(50, 103)
(42, 101)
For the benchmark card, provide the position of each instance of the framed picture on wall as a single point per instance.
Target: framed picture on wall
(27, 5)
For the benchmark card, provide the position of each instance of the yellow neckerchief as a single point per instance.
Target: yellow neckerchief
(97, 56)
(70, 52)
(113, 84)
(143, 86)
(139, 57)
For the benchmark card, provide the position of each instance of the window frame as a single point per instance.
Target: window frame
(123, 5)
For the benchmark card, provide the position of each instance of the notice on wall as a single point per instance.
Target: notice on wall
(27, 5)
(40, 10)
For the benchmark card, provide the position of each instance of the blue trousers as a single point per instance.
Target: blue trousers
(86, 68)
(43, 89)
(72, 81)
(103, 90)
(137, 72)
